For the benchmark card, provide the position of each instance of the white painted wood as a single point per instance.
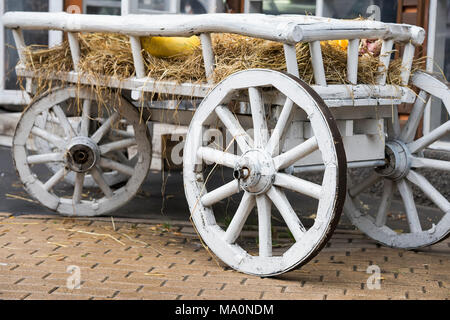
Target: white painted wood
(98, 177)
(377, 228)
(264, 225)
(74, 49)
(289, 29)
(57, 177)
(234, 127)
(352, 61)
(260, 130)
(105, 127)
(298, 185)
(357, 189)
(216, 156)
(117, 145)
(385, 203)
(385, 58)
(333, 95)
(138, 60)
(410, 207)
(55, 37)
(44, 158)
(317, 63)
(294, 224)
(237, 223)
(430, 191)
(288, 158)
(417, 162)
(39, 186)
(20, 44)
(85, 118)
(290, 55)
(428, 139)
(114, 165)
(280, 127)
(78, 187)
(208, 55)
(407, 61)
(221, 242)
(220, 193)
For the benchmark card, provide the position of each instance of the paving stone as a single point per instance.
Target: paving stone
(35, 254)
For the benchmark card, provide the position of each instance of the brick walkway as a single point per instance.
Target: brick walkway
(157, 261)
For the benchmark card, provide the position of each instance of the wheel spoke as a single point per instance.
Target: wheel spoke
(280, 127)
(239, 218)
(410, 128)
(385, 203)
(428, 139)
(85, 118)
(243, 140)
(55, 140)
(220, 193)
(261, 132)
(216, 156)
(105, 127)
(53, 181)
(370, 181)
(410, 207)
(117, 145)
(63, 121)
(280, 201)
(417, 162)
(298, 185)
(45, 158)
(430, 191)
(114, 165)
(264, 225)
(97, 175)
(78, 188)
(288, 158)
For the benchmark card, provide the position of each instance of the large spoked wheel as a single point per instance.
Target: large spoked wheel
(259, 172)
(405, 162)
(85, 152)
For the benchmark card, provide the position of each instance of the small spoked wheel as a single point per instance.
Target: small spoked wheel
(83, 150)
(258, 171)
(112, 177)
(405, 171)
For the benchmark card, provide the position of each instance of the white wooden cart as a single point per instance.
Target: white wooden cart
(295, 129)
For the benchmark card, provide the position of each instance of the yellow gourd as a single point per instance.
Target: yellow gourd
(164, 47)
(340, 44)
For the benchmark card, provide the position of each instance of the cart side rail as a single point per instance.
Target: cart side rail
(288, 30)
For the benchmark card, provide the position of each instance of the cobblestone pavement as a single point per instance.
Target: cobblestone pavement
(138, 259)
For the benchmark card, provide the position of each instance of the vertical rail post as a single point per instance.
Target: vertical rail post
(136, 49)
(20, 45)
(317, 63)
(408, 57)
(208, 55)
(352, 61)
(385, 59)
(290, 55)
(74, 49)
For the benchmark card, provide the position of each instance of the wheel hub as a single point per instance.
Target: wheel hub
(398, 161)
(255, 171)
(82, 154)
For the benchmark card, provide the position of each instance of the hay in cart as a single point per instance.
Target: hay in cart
(110, 55)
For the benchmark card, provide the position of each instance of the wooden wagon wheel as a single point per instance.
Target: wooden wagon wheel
(260, 172)
(49, 122)
(86, 155)
(404, 160)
